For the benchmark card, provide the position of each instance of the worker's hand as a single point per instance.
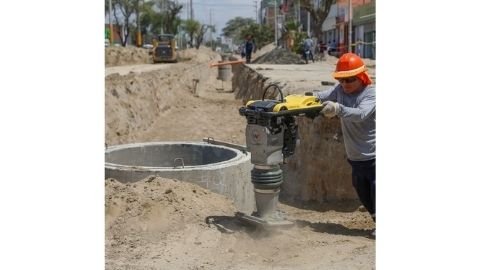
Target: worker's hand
(330, 109)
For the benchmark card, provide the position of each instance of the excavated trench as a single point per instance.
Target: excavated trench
(163, 224)
(318, 170)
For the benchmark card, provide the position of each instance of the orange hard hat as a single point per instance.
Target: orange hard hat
(349, 65)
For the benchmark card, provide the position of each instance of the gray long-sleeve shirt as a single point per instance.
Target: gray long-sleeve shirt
(357, 114)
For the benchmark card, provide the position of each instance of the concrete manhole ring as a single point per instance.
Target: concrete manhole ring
(221, 169)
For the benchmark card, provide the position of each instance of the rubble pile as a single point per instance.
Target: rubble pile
(279, 56)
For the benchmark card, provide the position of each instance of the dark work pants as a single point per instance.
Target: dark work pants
(363, 180)
(249, 56)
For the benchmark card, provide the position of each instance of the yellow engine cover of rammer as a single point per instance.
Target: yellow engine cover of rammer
(293, 102)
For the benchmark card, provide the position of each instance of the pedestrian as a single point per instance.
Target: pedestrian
(249, 48)
(359, 47)
(308, 49)
(353, 101)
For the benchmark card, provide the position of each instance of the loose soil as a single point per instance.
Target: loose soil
(160, 223)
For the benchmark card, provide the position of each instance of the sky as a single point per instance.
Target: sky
(222, 11)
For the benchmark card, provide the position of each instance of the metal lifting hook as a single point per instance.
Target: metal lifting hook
(178, 159)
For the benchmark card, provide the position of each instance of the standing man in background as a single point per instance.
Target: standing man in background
(249, 48)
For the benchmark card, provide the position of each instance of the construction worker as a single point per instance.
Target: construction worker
(249, 48)
(353, 101)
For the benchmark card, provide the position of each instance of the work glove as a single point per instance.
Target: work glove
(330, 109)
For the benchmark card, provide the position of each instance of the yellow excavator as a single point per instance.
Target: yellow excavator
(164, 49)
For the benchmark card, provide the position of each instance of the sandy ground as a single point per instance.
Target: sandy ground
(166, 224)
(164, 103)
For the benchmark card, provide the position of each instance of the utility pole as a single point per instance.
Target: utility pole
(276, 24)
(110, 20)
(299, 15)
(191, 10)
(180, 45)
(259, 15)
(256, 10)
(211, 38)
(350, 19)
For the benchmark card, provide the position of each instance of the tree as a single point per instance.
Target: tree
(160, 16)
(318, 14)
(234, 27)
(171, 20)
(126, 8)
(150, 20)
(262, 35)
(191, 27)
(154, 17)
(201, 33)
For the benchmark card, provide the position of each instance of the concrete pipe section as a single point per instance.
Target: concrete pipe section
(224, 72)
(221, 169)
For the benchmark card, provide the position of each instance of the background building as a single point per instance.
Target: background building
(335, 28)
(364, 29)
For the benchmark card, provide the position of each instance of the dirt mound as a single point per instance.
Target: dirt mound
(279, 56)
(202, 55)
(264, 50)
(165, 203)
(159, 223)
(145, 213)
(119, 56)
